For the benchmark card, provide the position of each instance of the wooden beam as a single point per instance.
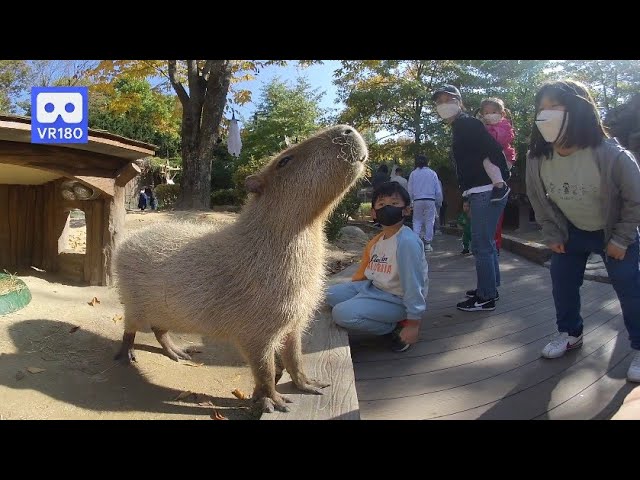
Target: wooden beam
(71, 172)
(126, 173)
(106, 185)
(19, 153)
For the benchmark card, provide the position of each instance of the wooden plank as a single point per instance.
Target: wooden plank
(113, 231)
(37, 227)
(5, 242)
(30, 203)
(127, 173)
(473, 399)
(14, 214)
(466, 366)
(329, 359)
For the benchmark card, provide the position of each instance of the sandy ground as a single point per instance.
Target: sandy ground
(56, 354)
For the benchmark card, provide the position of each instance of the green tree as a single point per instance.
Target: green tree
(612, 82)
(283, 112)
(14, 75)
(151, 116)
(202, 87)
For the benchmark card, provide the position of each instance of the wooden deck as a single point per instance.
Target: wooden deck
(487, 365)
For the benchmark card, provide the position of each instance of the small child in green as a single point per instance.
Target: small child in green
(464, 221)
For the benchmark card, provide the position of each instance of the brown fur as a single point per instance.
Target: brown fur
(256, 282)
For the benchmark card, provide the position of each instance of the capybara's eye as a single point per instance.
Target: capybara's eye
(284, 161)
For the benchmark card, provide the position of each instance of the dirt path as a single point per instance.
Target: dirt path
(56, 353)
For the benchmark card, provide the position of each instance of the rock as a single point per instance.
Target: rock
(353, 232)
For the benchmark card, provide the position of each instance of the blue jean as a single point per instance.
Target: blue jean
(567, 274)
(484, 221)
(362, 307)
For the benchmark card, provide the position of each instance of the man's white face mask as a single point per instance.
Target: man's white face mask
(448, 110)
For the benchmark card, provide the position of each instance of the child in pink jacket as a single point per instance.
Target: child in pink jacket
(494, 116)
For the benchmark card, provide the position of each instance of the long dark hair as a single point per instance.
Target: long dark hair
(584, 127)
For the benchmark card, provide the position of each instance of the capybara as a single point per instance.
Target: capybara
(255, 282)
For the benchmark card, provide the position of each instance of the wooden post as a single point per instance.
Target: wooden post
(114, 220)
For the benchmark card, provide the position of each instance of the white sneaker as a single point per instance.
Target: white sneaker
(428, 247)
(633, 374)
(560, 344)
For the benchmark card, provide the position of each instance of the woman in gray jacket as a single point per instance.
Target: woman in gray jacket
(585, 190)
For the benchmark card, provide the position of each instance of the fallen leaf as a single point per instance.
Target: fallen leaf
(239, 394)
(35, 370)
(116, 318)
(74, 329)
(183, 395)
(19, 375)
(193, 364)
(217, 416)
(94, 301)
(206, 404)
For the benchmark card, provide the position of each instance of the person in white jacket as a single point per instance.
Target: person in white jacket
(425, 191)
(396, 176)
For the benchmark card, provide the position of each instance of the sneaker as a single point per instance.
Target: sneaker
(472, 293)
(633, 374)
(476, 304)
(428, 247)
(397, 345)
(498, 193)
(465, 252)
(561, 344)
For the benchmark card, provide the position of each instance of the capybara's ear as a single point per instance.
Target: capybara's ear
(254, 184)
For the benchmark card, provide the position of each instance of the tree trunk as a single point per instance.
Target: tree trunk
(202, 110)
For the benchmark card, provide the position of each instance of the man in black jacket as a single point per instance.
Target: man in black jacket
(471, 144)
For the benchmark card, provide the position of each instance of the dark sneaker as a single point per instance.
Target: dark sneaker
(465, 252)
(498, 193)
(397, 345)
(476, 304)
(472, 293)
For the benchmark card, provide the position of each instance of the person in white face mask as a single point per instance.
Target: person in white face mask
(471, 144)
(585, 191)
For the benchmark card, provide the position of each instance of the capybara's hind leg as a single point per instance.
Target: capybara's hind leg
(292, 359)
(127, 354)
(262, 362)
(170, 348)
(279, 366)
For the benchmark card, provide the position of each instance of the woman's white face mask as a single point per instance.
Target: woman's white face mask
(549, 123)
(448, 110)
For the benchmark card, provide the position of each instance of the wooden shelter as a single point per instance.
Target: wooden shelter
(39, 186)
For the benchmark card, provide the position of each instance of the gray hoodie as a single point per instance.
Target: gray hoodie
(620, 187)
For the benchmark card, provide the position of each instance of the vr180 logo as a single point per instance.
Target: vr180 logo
(59, 115)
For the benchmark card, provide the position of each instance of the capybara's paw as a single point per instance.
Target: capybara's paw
(175, 353)
(126, 356)
(311, 385)
(275, 402)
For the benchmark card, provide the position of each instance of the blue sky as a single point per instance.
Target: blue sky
(318, 76)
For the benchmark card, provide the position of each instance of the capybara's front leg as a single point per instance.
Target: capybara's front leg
(262, 362)
(127, 354)
(292, 358)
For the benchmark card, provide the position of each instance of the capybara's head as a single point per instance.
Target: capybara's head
(308, 178)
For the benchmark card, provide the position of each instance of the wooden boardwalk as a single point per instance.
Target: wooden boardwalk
(487, 365)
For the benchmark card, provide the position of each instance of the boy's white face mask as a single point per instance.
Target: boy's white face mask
(549, 123)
